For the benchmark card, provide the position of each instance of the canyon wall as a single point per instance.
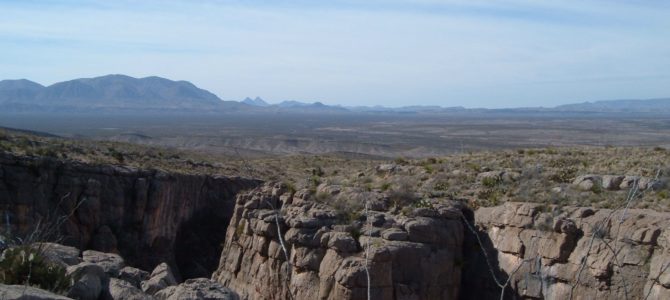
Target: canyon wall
(408, 258)
(274, 243)
(573, 253)
(148, 216)
(431, 252)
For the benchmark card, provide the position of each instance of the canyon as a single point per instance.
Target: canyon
(269, 241)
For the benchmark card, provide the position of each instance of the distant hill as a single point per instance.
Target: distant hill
(18, 90)
(121, 93)
(111, 92)
(296, 106)
(648, 105)
(258, 101)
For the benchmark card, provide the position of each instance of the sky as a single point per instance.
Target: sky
(471, 53)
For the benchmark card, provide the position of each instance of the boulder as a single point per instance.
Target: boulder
(629, 182)
(394, 234)
(586, 182)
(123, 290)
(491, 175)
(134, 276)
(110, 262)
(56, 253)
(22, 292)
(342, 242)
(161, 277)
(611, 182)
(386, 168)
(198, 288)
(89, 281)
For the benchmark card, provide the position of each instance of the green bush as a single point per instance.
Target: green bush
(490, 181)
(401, 161)
(27, 266)
(564, 175)
(385, 186)
(441, 186)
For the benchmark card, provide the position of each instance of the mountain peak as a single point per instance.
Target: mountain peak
(258, 101)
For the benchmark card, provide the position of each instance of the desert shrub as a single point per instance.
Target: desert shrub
(492, 197)
(5, 146)
(423, 203)
(401, 161)
(441, 186)
(402, 195)
(290, 186)
(115, 154)
(474, 166)
(597, 188)
(318, 172)
(48, 152)
(323, 197)
(564, 174)
(355, 232)
(490, 181)
(315, 181)
(385, 186)
(27, 266)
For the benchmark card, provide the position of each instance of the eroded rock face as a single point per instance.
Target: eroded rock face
(625, 256)
(147, 216)
(409, 258)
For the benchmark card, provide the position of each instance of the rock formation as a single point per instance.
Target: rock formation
(568, 252)
(147, 216)
(408, 258)
(280, 244)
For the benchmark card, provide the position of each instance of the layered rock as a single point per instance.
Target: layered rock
(148, 216)
(578, 253)
(408, 258)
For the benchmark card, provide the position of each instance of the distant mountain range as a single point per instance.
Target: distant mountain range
(111, 92)
(121, 93)
(649, 105)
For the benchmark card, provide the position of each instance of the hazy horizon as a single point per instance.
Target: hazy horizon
(393, 53)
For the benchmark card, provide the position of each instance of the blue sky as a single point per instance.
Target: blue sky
(371, 52)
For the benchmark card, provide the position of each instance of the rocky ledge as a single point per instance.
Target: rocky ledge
(408, 258)
(556, 252)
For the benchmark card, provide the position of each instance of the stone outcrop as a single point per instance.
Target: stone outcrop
(409, 258)
(554, 252)
(148, 216)
(616, 182)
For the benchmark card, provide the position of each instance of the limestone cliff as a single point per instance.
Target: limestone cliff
(409, 258)
(148, 216)
(574, 253)
(430, 253)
